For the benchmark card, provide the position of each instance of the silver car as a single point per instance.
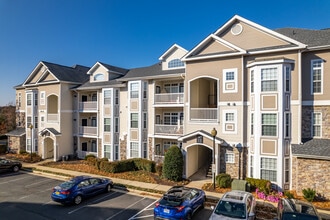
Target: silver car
(235, 205)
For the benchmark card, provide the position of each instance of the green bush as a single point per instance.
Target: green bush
(309, 194)
(223, 180)
(261, 184)
(289, 194)
(173, 164)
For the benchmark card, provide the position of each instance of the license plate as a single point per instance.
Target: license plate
(167, 211)
(57, 193)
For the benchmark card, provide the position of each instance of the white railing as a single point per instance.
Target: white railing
(86, 130)
(52, 117)
(169, 98)
(87, 106)
(168, 129)
(204, 114)
(82, 154)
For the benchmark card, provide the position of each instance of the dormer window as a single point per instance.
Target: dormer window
(99, 77)
(175, 63)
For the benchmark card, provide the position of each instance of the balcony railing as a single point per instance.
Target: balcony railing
(169, 98)
(87, 106)
(204, 114)
(169, 129)
(88, 131)
(52, 117)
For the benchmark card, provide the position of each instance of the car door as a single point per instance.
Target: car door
(97, 185)
(5, 165)
(85, 188)
(195, 199)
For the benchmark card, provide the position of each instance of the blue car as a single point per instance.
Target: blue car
(179, 202)
(79, 188)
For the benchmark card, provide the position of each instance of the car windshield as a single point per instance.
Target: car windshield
(170, 201)
(67, 185)
(231, 209)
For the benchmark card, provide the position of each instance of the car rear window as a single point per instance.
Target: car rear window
(67, 185)
(170, 201)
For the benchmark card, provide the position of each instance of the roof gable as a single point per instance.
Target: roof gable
(243, 37)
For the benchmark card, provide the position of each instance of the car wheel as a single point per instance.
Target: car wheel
(108, 188)
(77, 200)
(15, 168)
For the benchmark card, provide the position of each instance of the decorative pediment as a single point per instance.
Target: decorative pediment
(241, 36)
(39, 75)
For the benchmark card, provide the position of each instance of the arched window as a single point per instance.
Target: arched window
(99, 77)
(175, 63)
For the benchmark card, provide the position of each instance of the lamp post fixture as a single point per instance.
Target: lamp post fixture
(239, 148)
(213, 133)
(31, 127)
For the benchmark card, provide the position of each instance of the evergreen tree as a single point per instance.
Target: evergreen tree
(173, 164)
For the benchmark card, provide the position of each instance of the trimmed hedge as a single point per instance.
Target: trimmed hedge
(123, 165)
(261, 184)
(223, 180)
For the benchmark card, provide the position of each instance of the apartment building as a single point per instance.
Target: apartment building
(247, 100)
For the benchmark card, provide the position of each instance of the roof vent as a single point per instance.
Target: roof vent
(236, 29)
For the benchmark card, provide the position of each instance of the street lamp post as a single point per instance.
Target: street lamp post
(31, 139)
(213, 133)
(239, 148)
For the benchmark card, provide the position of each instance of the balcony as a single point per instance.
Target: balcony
(169, 129)
(168, 98)
(87, 106)
(204, 114)
(87, 131)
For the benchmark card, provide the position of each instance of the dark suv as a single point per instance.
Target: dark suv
(288, 209)
(179, 202)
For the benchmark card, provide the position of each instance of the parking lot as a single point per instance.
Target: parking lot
(27, 196)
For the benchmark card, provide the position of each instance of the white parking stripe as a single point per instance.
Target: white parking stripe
(146, 208)
(89, 203)
(125, 209)
(47, 180)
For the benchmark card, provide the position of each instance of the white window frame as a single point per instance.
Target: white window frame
(275, 124)
(287, 84)
(286, 170)
(321, 68)
(252, 86)
(134, 149)
(230, 158)
(42, 98)
(107, 93)
(316, 123)
(225, 121)
(29, 99)
(272, 169)
(287, 125)
(107, 150)
(271, 77)
(224, 81)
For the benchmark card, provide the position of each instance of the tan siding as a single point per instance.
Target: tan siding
(252, 38)
(215, 47)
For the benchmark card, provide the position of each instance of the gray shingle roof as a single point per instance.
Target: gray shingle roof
(16, 132)
(309, 37)
(99, 85)
(115, 68)
(150, 71)
(316, 148)
(77, 73)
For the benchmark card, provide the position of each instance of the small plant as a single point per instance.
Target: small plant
(289, 195)
(309, 194)
(223, 180)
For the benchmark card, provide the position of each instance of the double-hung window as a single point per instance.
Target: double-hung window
(268, 169)
(107, 97)
(317, 122)
(269, 124)
(29, 99)
(134, 90)
(134, 149)
(230, 158)
(107, 124)
(269, 79)
(134, 120)
(316, 76)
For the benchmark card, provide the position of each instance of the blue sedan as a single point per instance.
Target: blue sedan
(80, 187)
(179, 202)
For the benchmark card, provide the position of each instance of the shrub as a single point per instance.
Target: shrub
(173, 164)
(261, 184)
(223, 180)
(159, 169)
(289, 194)
(309, 194)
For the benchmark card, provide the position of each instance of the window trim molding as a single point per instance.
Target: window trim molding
(224, 81)
(311, 76)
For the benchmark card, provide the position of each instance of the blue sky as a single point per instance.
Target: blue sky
(128, 34)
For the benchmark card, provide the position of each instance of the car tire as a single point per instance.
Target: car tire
(189, 217)
(15, 169)
(77, 200)
(108, 188)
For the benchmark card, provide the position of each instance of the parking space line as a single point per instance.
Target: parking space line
(146, 208)
(15, 180)
(125, 209)
(77, 209)
(46, 180)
